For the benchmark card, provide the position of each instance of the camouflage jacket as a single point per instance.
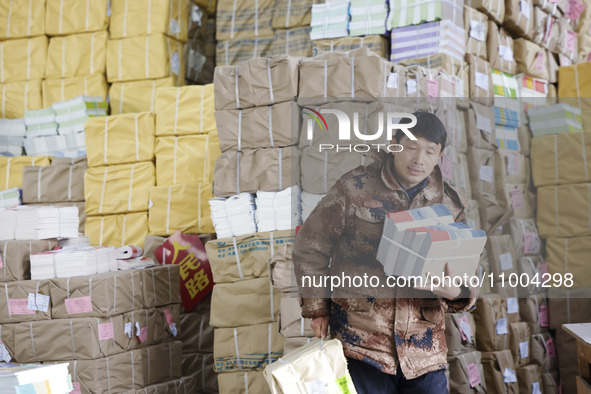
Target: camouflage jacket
(382, 327)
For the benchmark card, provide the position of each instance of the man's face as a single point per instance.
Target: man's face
(416, 161)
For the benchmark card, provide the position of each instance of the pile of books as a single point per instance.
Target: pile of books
(12, 135)
(34, 378)
(39, 222)
(330, 20)
(233, 216)
(11, 198)
(368, 17)
(278, 210)
(67, 262)
(555, 119)
(420, 241)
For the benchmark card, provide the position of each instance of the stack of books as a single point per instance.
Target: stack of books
(35, 378)
(11, 198)
(368, 17)
(330, 20)
(40, 123)
(12, 136)
(67, 262)
(278, 210)
(555, 119)
(233, 216)
(421, 241)
(39, 222)
(72, 114)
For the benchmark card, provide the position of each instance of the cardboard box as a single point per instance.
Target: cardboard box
(186, 159)
(28, 20)
(64, 89)
(563, 210)
(120, 139)
(25, 59)
(543, 352)
(64, 18)
(200, 368)
(377, 44)
(459, 333)
(134, 19)
(563, 256)
(566, 346)
(161, 285)
(126, 59)
(499, 371)
(193, 109)
(244, 303)
(55, 183)
(254, 252)
(264, 169)
(480, 80)
(282, 272)
(519, 343)
(495, 9)
(529, 379)
(467, 372)
(196, 333)
(107, 294)
(117, 230)
(257, 346)
(550, 382)
(182, 207)
(573, 83)
(243, 381)
(244, 19)
(76, 55)
(556, 159)
(235, 52)
(121, 188)
(490, 318)
(15, 256)
(568, 306)
(291, 322)
(20, 97)
(253, 87)
(136, 96)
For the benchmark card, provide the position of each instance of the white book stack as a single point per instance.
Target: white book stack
(12, 136)
(40, 123)
(68, 262)
(79, 242)
(26, 223)
(277, 211)
(309, 202)
(39, 222)
(34, 378)
(233, 216)
(7, 223)
(330, 20)
(421, 241)
(10, 198)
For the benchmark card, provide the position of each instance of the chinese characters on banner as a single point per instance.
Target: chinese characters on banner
(189, 253)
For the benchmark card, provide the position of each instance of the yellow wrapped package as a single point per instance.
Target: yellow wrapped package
(150, 57)
(18, 97)
(22, 18)
(65, 17)
(62, 89)
(564, 211)
(23, 59)
(575, 81)
(561, 159)
(118, 189)
(186, 110)
(76, 55)
(569, 255)
(136, 96)
(186, 159)
(11, 169)
(135, 18)
(117, 230)
(182, 207)
(119, 139)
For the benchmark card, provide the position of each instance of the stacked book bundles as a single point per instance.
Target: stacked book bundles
(330, 20)
(368, 17)
(39, 222)
(73, 261)
(11, 198)
(12, 135)
(555, 119)
(420, 241)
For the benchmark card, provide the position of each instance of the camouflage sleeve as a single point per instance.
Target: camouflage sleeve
(314, 247)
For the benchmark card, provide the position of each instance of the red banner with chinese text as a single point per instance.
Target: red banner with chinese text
(189, 253)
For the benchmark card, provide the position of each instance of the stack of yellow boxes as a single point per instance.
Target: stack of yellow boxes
(121, 173)
(145, 51)
(23, 48)
(76, 52)
(186, 148)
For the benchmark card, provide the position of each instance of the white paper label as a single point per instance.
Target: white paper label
(137, 328)
(4, 355)
(486, 173)
(174, 27)
(501, 327)
(506, 53)
(317, 386)
(512, 306)
(173, 329)
(150, 204)
(411, 86)
(506, 261)
(38, 302)
(466, 329)
(509, 376)
(175, 63)
(128, 329)
(31, 302)
(478, 30)
(481, 80)
(392, 81)
(535, 388)
(483, 123)
(196, 15)
(524, 349)
(525, 9)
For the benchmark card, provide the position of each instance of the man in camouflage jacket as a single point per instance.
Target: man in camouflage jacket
(390, 331)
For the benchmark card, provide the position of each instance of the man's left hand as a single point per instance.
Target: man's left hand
(443, 290)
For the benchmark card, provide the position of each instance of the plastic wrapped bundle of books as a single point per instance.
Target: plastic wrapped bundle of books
(330, 20)
(425, 239)
(39, 222)
(34, 378)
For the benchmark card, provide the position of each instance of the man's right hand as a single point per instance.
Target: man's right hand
(320, 326)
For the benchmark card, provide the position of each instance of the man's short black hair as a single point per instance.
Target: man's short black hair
(428, 126)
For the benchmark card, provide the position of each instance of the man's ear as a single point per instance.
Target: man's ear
(441, 153)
